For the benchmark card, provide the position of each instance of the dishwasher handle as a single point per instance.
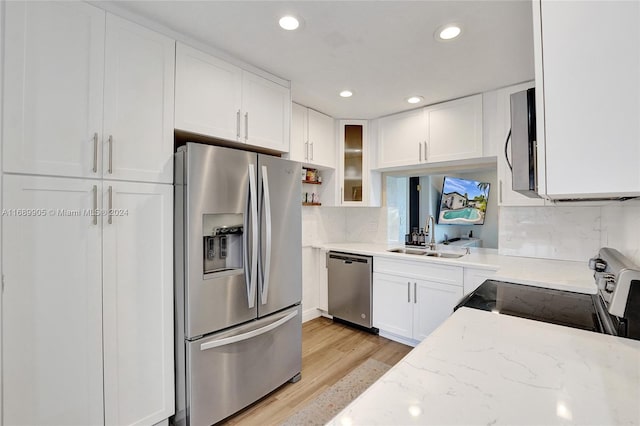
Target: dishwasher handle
(349, 258)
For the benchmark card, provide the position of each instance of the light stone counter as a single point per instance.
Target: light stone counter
(479, 368)
(557, 274)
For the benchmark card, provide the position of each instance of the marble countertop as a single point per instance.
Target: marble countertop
(483, 368)
(558, 274)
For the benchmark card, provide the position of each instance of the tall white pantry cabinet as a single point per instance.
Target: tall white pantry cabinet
(87, 298)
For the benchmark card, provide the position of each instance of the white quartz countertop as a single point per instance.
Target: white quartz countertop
(558, 274)
(483, 368)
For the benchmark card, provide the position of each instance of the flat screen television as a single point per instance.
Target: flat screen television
(463, 201)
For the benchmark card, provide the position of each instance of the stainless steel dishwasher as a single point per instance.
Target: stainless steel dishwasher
(350, 288)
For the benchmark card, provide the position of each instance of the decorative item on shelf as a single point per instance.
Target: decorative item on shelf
(310, 199)
(415, 238)
(311, 176)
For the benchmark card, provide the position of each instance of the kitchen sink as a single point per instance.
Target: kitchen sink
(418, 252)
(408, 251)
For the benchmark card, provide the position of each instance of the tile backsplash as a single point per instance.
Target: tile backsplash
(570, 232)
(567, 233)
(344, 224)
(621, 228)
(555, 232)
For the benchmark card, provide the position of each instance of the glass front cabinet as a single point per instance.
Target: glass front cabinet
(353, 162)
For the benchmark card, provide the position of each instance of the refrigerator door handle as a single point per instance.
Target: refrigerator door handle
(249, 335)
(267, 214)
(251, 265)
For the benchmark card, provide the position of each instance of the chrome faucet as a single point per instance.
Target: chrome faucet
(430, 227)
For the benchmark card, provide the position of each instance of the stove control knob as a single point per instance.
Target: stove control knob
(597, 264)
(602, 283)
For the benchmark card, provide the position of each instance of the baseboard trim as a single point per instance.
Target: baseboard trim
(309, 314)
(399, 339)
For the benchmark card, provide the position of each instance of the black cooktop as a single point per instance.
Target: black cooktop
(566, 308)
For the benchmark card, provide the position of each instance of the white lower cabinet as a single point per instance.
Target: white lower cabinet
(434, 302)
(315, 289)
(474, 277)
(411, 308)
(323, 279)
(87, 304)
(392, 304)
(411, 299)
(309, 284)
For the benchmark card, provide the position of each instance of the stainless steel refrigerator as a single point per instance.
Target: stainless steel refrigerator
(238, 279)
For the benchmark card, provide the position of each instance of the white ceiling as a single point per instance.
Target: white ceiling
(383, 51)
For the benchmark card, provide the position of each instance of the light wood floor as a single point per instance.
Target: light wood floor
(329, 352)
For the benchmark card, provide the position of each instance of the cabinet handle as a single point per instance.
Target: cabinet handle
(311, 150)
(246, 126)
(110, 154)
(415, 293)
(408, 292)
(110, 205)
(425, 150)
(500, 190)
(420, 149)
(95, 204)
(238, 124)
(306, 150)
(95, 153)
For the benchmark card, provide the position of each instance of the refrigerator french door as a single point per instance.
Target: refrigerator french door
(238, 279)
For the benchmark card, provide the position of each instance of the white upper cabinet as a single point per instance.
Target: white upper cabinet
(322, 139)
(266, 110)
(587, 60)
(218, 99)
(138, 103)
(402, 139)
(313, 137)
(138, 303)
(53, 88)
(500, 121)
(353, 166)
(448, 131)
(208, 94)
(52, 303)
(299, 149)
(454, 130)
(74, 107)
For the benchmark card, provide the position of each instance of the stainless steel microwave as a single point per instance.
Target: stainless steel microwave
(523, 143)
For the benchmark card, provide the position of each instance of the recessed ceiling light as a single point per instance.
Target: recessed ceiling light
(289, 23)
(448, 32)
(415, 99)
(346, 93)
